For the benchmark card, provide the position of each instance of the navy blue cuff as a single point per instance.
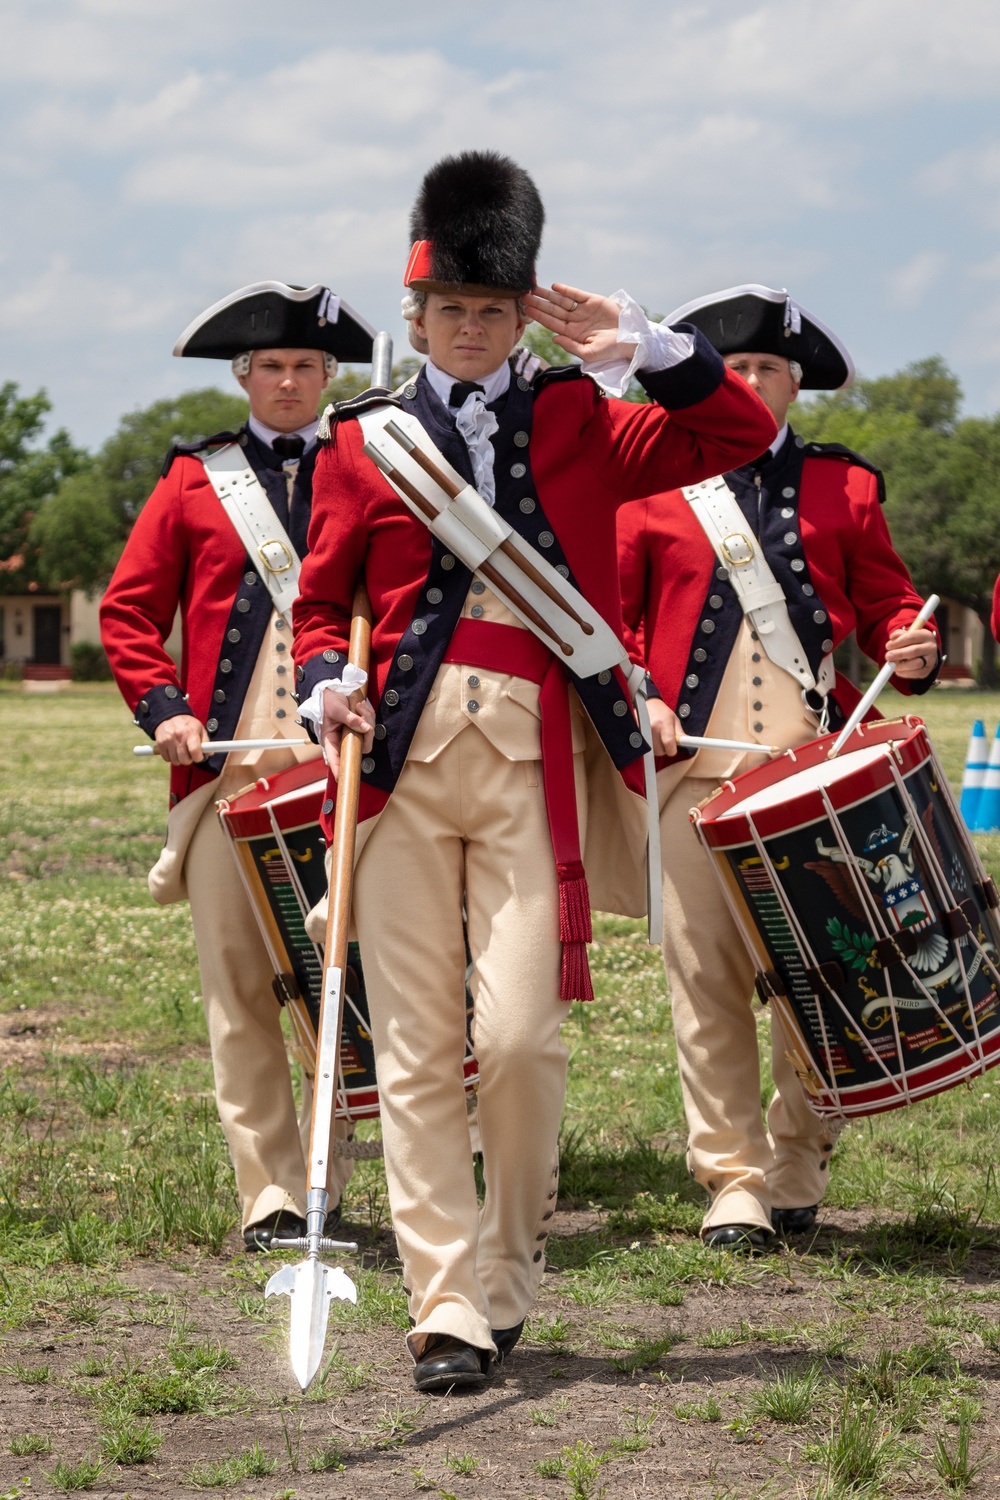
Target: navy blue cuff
(652, 691)
(165, 701)
(316, 670)
(921, 685)
(693, 380)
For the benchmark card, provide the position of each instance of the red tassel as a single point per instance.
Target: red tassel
(575, 932)
(574, 904)
(575, 982)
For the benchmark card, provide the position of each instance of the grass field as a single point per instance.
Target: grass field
(137, 1356)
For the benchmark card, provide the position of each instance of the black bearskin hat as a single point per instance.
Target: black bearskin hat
(476, 224)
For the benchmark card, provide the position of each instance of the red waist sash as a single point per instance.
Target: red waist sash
(518, 653)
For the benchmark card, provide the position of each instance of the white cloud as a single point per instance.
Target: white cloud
(159, 154)
(64, 303)
(971, 175)
(987, 270)
(910, 283)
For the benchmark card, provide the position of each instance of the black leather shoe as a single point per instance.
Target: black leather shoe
(284, 1225)
(449, 1364)
(280, 1225)
(793, 1220)
(505, 1339)
(745, 1239)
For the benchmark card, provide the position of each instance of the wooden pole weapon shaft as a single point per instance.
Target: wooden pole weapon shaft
(339, 911)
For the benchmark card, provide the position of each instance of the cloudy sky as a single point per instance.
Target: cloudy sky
(157, 154)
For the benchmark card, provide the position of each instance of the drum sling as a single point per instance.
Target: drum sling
(267, 543)
(516, 653)
(760, 595)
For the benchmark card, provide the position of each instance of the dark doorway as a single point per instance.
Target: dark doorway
(47, 643)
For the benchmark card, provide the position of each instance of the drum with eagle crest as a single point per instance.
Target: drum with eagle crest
(871, 919)
(274, 833)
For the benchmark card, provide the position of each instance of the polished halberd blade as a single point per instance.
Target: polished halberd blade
(310, 1286)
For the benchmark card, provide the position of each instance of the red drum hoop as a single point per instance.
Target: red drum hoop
(274, 833)
(868, 912)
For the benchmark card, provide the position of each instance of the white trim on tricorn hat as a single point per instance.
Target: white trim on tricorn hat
(755, 319)
(273, 315)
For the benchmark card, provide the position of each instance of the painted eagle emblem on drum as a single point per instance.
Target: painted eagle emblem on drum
(888, 869)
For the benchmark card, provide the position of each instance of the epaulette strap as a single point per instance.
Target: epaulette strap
(327, 416)
(190, 450)
(838, 450)
(556, 373)
(340, 411)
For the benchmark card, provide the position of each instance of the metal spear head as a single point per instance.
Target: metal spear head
(310, 1286)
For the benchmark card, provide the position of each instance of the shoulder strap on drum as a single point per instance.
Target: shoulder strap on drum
(268, 544)
(760, 594)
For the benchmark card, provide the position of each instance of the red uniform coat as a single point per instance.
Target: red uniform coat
(184, 552)
(817, 514)
(565, 458)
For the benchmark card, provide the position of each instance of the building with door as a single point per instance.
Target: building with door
(39, 630)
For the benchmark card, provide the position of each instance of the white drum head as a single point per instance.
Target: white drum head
(825, 773)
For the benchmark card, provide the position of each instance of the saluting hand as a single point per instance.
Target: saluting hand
(339, 715)
(584, 323)
(914, 652)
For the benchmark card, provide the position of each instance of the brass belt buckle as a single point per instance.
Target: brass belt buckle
(275, 567)
(737, 549)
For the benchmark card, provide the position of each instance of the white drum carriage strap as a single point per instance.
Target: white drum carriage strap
(654, 866)
(268, 544)
(761, 596)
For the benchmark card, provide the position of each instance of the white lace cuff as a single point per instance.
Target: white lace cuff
(352, 679)
(657, 347)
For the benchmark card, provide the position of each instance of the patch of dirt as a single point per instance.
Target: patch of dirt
(28, 1038)
(544, 1401)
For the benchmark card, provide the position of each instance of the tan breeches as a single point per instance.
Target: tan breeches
(253, 1086)
(747, 1169)
(468, 824)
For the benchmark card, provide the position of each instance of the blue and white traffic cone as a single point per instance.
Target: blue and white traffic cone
(974, 775)
(988, 811)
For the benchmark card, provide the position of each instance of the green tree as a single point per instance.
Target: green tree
(80, 532)
(541, 342)
(29, 474)
(971, 525)
(925, 394)
(942, 479)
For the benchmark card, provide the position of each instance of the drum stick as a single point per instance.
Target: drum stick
(706, 742)
(217, 747)
(453, 490)
(879, 683)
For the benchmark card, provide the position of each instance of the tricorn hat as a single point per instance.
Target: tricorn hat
(476, 224)
(757, 319)
(271, 315)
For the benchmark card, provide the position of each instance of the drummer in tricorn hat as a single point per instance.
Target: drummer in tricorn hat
(234, 682)
(476, 733)
(813, 511)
